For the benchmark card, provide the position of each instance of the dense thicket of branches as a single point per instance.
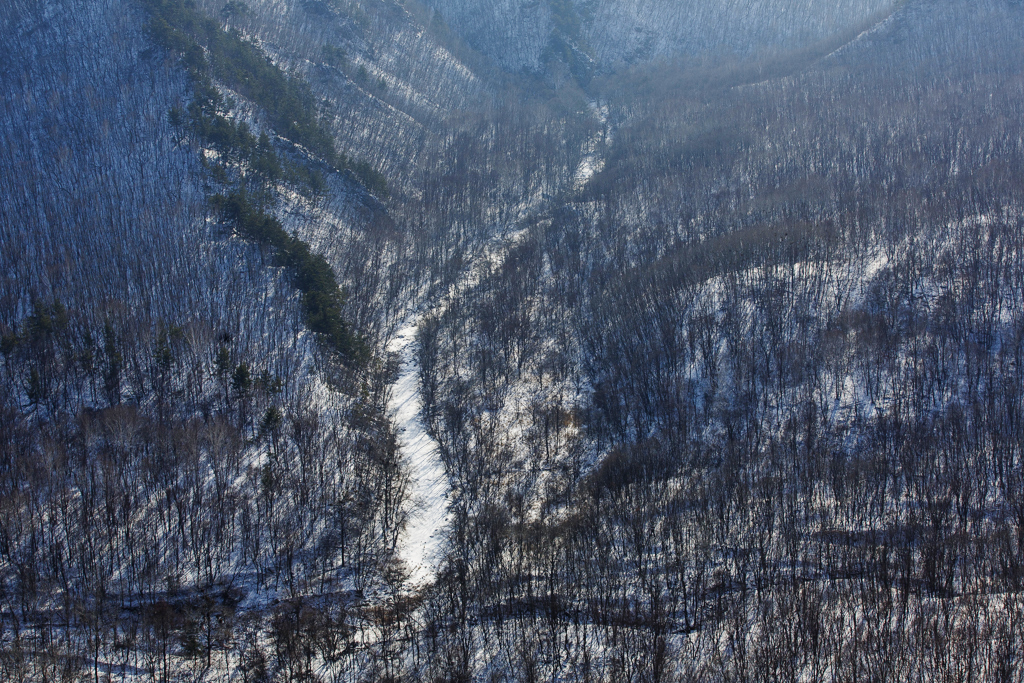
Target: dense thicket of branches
(183, 468)
(746, 404)
(780, 336)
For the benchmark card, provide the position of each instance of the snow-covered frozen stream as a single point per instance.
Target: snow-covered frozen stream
(423, 544)
(422, 547)
(593, 154)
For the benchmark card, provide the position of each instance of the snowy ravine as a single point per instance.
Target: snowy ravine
(422, 546)
(593, 154)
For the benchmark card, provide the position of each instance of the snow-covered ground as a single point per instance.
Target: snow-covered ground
(422, 546)
(593, 155)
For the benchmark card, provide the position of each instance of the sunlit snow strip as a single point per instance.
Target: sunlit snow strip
(592, 162)
(422, 545)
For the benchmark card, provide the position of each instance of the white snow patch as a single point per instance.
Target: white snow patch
(422, 545)
(590, 165)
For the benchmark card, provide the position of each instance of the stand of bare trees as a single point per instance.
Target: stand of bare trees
(747, 405)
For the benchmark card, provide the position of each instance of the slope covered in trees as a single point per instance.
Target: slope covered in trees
(761, 371)
(603, 34)
(179, 452)
(716, 317)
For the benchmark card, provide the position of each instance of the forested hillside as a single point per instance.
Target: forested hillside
(599, 35)
(180, 450)
(763, 376)
(507, 341)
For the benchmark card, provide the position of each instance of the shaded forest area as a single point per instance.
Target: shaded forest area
(183, 463)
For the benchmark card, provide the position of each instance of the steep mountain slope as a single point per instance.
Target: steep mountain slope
(758, 372)
(178, 448)
(522, 34)
(96, 151)
(208, 470)
(693, 353)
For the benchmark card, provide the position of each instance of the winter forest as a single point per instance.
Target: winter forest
(458, 341)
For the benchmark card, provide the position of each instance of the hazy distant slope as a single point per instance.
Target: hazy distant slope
(979, 37)
(639, 29)
(511, 32)
(515, 33)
